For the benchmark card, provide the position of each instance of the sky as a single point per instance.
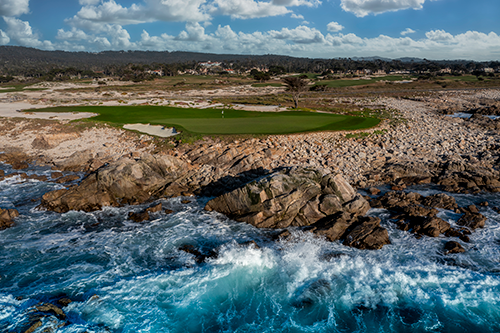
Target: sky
(431, 29)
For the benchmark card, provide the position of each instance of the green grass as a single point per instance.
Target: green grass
(353, 82)
(210, 121)
(18, 88)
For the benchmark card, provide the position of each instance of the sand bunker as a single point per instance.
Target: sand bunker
(156, 130)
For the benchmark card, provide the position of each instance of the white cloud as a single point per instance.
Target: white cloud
(363, 8)
(194, 32)
(89, 2)
(289, 3)
(301, 34)
(246, 9)
(4, 39)
(299, 41)
(407, 32)
(14, 7)
(334, 27)
(93, 17)
(74, 34)
(21, 32)
(295, 16)
(439, 35)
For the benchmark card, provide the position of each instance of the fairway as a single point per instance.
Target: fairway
(213, 121)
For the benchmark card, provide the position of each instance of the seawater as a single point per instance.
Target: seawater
(129, 277)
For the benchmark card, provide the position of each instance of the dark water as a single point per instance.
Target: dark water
(128, 277)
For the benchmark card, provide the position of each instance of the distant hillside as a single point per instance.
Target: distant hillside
(30, 62)
(16, 56)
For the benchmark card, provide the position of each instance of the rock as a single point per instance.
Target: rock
(34, 326)
(78, 161)
(154, 209)
(367, 235)
(292, 197)
(6, 218)
(374, 191)
(199, 257)
(138, 217)
(440, 200)
(453, 247)
(185, 201)
(471, 218)
(168, 211)
(16, 159)
(67, 179)
(64, 301)
(55, 175)
(40, 143)
(250, 244)
(19, 165)
(427, 226)
(52, 309)
(125, 181)
(356, 231)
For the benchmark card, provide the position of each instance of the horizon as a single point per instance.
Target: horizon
(354, 58)
(392, 29)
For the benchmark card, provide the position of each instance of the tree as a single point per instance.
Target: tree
(261, 76)
(295, 85)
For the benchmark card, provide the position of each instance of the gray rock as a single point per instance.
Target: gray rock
(294, 197)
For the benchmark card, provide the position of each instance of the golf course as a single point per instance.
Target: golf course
(223, 122)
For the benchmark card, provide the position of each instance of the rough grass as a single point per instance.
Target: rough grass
(355, 82)
(212, 121)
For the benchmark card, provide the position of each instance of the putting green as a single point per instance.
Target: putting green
(214, 121)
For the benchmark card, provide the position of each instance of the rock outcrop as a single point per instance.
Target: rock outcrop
(292, 197)
(418, 214)
(6, 218)
(126, 181)
(362, 232)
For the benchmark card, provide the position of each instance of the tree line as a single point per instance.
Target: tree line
(137, 65)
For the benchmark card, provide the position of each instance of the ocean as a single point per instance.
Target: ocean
(124, 276)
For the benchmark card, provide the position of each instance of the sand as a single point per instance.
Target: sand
(156, 130)
(13, 110)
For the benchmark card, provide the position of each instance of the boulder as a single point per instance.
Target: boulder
(6, 218)
(67, 179)
(453, 247)
(362, 232)
(291, 197)
(472, 218)
(18, 160)
(126, 181)
(139, 217)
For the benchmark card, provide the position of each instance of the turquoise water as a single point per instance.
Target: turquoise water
(129, 277)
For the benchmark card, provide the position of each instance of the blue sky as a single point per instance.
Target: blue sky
(432, 29)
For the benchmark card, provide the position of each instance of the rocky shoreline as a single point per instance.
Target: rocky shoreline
(298, 180)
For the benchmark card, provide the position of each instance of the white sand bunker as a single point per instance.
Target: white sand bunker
(156, 130)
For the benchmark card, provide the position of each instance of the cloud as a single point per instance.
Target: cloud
(407, 32)
(246, 9)
(334, 27)
(301, 34)
(4, 39)
(14, 7)
(93, 17)
(295, 16)
(439, 35)
(302, 41)
(89, 2)
(74, 34)
(21, 32)
(362, 8)
(194, 32)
